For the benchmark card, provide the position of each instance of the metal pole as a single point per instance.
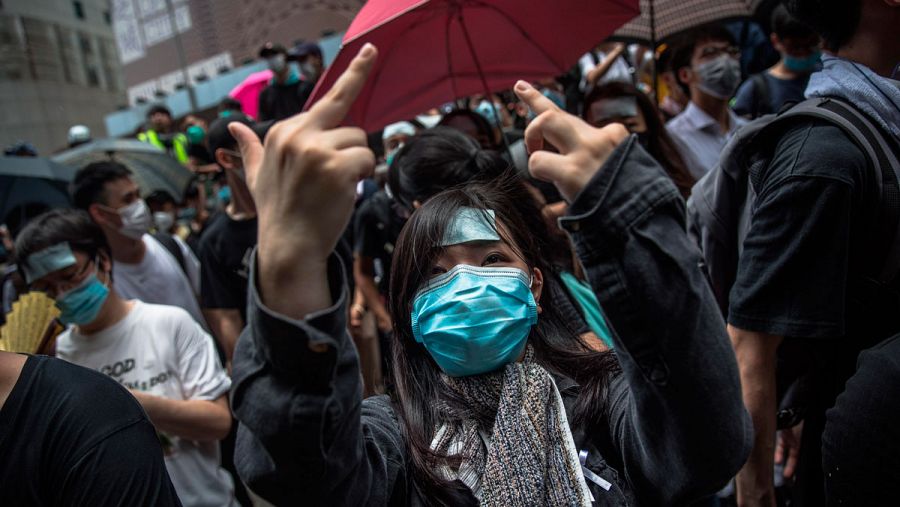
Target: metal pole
(179, 50)
(653, 49)
(487, 90)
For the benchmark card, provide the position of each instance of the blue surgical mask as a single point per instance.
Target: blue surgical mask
(808, 64)
(474, 320)
(82, 304)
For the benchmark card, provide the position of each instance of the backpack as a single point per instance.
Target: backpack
(721, 203)
(167, 241)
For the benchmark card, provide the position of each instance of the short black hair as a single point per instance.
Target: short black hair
(87, 188)
(230, 104)
(159, 197)
(158, 108)
(74, 227)
(835, 20)
(784, 25)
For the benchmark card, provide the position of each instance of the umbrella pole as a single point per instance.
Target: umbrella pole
(653, 48)
(484, 84)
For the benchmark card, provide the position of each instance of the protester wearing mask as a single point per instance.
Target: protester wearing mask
(785, 81)
(88, 453)
(623, 103)
(227, 243)
(144, 268)
(158, 352)
(497, 405)
(820, 231)
(162, 206)
(707, 64)
(287, 92)
(195, 128)
(675, 98)
(375, 230)
(309, 57)
(160, 132)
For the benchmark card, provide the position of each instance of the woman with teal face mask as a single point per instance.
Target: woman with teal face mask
(496, 402)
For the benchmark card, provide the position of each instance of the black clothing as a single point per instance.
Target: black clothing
(803, 273)
(72, 436)
(225, 249)
(200, 153)
(279, 101)
(861, 443)
(675, 427)
(764, 93)
(376, 229)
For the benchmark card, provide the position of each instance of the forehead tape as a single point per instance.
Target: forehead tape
(471, 224)
(48, 260)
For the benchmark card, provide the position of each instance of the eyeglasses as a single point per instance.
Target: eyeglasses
(714, 51)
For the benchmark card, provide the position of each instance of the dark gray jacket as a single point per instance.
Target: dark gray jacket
(676, 428)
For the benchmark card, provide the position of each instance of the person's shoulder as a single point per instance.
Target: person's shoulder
(161, 315)
(818, 148)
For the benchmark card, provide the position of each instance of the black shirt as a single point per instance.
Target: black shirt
(72, 436)
(754, 100)
(811, 245)
(225, 249)
(376, 231)
(279, 101)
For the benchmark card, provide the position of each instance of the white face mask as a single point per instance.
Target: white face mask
(277, 63)
(163, 220)
(136, 219)
(309, 71)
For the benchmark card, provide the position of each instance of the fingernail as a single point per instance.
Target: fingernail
(367, 50)
(522, 86)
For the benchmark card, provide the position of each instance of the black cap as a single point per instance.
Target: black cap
(158, 108)
(271, 49)
(304, 49)
(219, 136)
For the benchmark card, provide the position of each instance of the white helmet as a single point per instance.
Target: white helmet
(79, 134)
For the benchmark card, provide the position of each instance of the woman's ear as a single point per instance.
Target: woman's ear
(104, 263)
(537, 284)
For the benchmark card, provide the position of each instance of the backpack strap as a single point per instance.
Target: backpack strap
(882, 155)
(171, 245)
(762, 97)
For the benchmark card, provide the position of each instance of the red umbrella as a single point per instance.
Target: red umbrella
(435, 51)
(247, 92)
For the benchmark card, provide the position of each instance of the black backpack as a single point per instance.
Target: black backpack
(719, 209)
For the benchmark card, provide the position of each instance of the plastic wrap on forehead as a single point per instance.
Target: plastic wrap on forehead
(48, 260)
(614, 107)
(471, 224)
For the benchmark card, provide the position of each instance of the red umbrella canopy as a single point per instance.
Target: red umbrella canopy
(435, 51)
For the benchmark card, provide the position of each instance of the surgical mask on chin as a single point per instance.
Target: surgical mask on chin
(136, 219)
(277, 63)
(808, 64)
(164, 220)
(720, 77)
(82, 304)
(474, 320)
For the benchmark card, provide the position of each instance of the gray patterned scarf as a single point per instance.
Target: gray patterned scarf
(528, 457)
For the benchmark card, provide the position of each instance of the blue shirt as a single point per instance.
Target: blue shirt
(699, 138)
(780, 91)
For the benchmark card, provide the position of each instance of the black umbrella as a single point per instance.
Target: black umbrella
(152, 168)
(30, 183)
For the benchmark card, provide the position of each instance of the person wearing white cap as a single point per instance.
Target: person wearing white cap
(78, 135)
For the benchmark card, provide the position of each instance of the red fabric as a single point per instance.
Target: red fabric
(424, 60)
(247, 93)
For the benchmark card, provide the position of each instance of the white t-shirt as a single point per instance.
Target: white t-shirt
(161, 350)
(157, 279)
(619, 70)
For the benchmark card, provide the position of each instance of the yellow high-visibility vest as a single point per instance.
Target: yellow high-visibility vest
(179, 144)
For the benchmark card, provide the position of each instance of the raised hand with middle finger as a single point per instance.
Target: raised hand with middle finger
(303, 181)
(582, 148)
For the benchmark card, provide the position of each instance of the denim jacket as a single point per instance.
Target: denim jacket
(676, 426)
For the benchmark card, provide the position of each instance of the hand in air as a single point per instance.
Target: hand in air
(582, 148)
(303, 180)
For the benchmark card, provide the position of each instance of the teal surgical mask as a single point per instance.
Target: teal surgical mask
(195, 134)
(474, 320)
(807, 64)
(82, 304)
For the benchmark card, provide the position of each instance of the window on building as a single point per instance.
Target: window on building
(93, 78)
(107, 18)
(79, 9)
(85, 44)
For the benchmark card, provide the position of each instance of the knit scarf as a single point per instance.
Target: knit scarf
(527, 456)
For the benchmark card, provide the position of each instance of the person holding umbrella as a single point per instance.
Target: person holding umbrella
(495, 407)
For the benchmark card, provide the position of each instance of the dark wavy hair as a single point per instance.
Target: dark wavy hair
(416, 375)
(659, 144)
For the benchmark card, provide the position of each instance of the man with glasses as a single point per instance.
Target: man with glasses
(707, 64)
(157, 352)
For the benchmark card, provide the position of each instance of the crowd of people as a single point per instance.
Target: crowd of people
(595, 289)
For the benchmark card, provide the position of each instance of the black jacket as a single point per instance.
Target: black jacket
(676, 426)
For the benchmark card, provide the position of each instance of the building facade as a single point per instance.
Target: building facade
(214, 36)
(59, 67)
